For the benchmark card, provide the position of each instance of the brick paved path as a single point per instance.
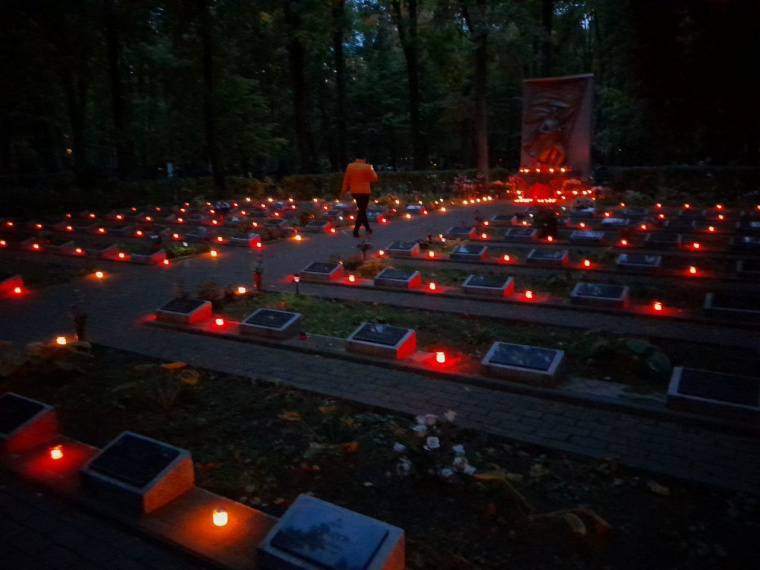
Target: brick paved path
(662, 445)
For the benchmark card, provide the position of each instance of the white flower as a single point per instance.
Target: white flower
(450, 416)
(420, 430)
(446, 473)
(399, 447)
(432, 443)
(458, 449)
(420, 420)
(430, 419)
(469, 470)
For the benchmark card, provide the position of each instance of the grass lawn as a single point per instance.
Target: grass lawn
(263, 444)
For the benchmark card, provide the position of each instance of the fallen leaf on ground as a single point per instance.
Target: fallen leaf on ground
(658, 489)
(173, 365)
(290, 416)
(350, 447)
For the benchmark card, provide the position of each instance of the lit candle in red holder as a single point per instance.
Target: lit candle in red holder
(122, 255)
(692, 270)
(213, 253)
(657, 306)
(696, 245)
(431, 254)
(643, 226)
(165, 262)
(711, 228)
(56, 452)
(529, 294)
(220, 517)
(259, 244)
(60, 340)
(432, 286)
(219, 322)
(241, 290)
(549, 238)
(101, 230)
(139, 233)
(3, 243)
(17, 290)
(99, 274)
(506, 257)
(623, 242)
(658, 205)
(220, 239)
(586, 263)
(582, 225)
(719, 206)
(720, 216)
(351, 279)
(440, 357)
(381, 252)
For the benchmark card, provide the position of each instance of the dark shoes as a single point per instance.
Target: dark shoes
(356, 234)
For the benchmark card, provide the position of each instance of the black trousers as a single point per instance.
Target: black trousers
(362, 201)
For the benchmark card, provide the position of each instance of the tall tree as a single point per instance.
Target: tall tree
(209, 94)
(119, 108)
(404, 13)
(297, 63)
(338, 20)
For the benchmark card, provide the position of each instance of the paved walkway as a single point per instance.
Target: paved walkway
(663, 446)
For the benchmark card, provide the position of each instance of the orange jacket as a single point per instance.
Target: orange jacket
(358, 176)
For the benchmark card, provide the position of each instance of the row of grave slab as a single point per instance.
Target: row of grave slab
(149, 485)
(704, 393)
(718, 306)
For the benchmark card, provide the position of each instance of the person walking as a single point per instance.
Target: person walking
(357, 179)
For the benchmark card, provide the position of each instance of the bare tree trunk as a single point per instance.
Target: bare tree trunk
(407, 32)
(124, 154)
(338, 21)
(301, 100)
(547, 22)
(209, 105)
(481, 104)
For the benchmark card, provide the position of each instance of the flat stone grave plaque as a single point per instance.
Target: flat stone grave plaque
(682, 224)
(414, 209)
(548, 256)
(748, 227)
(615, 222)
(490, 285)
(318, 226)
(469, 252)
(139, 473)
(715, 394)
(502, 220)
(460, 232)
(185, 311)
(635, 212)
(638, 261)
(663, 240)
(319, 271)
(748, 267)
(583, 213)
(403, 248)
(271, 323)
(275, 223)
(120, 230)
(9, 281)
(60, 245)
(315, 534)
(521, 234)
(580, 236)
(532, 364)
(733, 306)
(246, 239)
(382, 340)
(398, 278)
(745, 243)
(605, 295)
(24, 423)
(692, 214)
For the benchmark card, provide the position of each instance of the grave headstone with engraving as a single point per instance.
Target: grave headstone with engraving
(503, 220)
(319, 271)
(460, 232)
(469, 253)
(489, 285)
(520, 235)
(185, 311)
(317, 535)
(616, 222)
(579, 236)
(272, 324)
(599, 294)
(398, 278)
(715, 394)
(523, 363)
(550, 257)
(138, 474)
(638, 262)
(25, 423)
(318, 226)
(403, 249)
(738, 306)
(663, 240)
(382, 340)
